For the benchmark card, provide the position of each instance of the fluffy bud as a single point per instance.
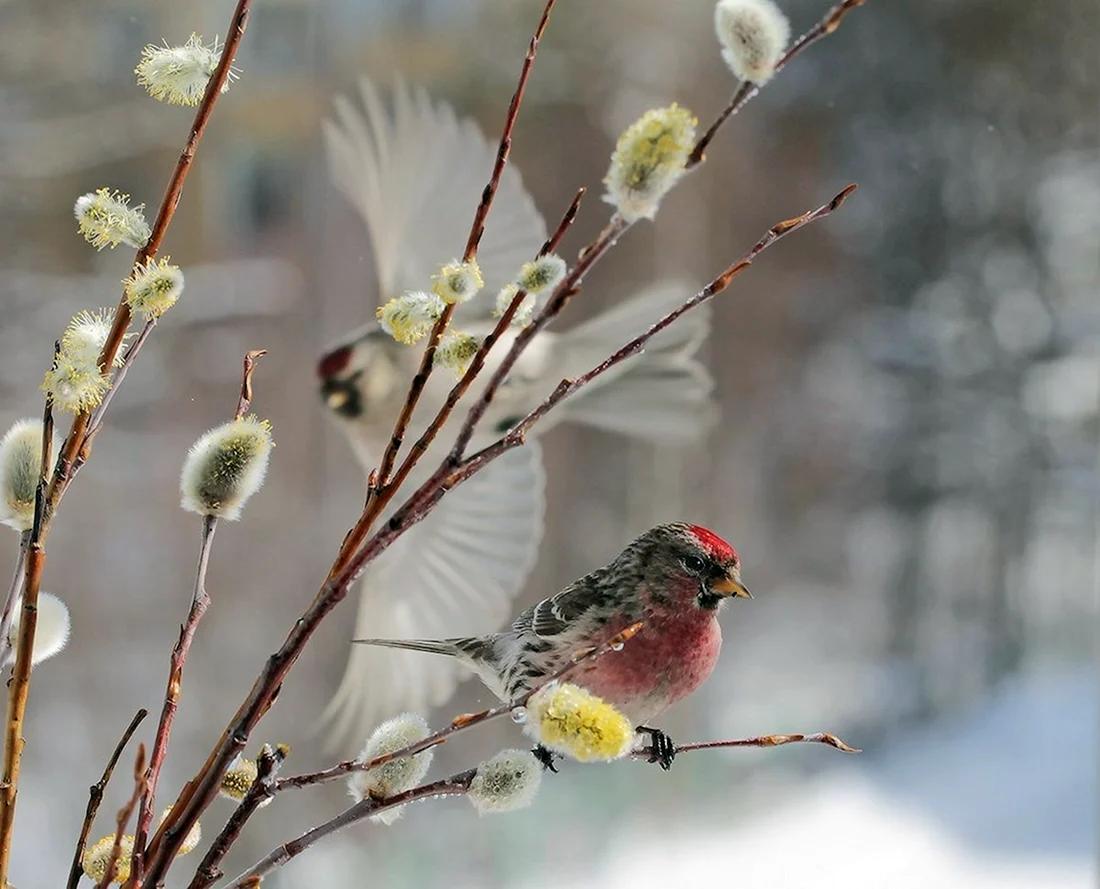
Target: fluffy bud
(98, 854)
(571, 720)
(542, 274)
(193, 838)
(507, 782)
(458, 281)
(20, 469)
(456, 351)
(397, 775)
(526, 308)
(753, 35)
(409, 317)
(238, 779)
(106, 220)
(648, 160)
(153, 288)
(51, 632)
(178, 75)
(225, 467)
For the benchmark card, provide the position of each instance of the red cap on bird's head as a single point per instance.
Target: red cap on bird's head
(715, 545)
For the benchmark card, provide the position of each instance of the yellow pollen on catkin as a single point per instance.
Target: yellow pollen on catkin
(98, 855)
(571, 720)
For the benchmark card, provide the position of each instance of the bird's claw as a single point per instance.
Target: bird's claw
(661, 749)
(545, 758)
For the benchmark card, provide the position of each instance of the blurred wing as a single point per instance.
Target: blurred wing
(416, 178)
(453, 574)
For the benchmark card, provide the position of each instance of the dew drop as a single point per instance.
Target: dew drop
(519, 715)
(617, 646)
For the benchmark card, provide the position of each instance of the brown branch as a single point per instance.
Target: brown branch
(758, 741)
(78, 444)
(200, 601)
(477, 229)
(747, 91)
(124, 815)
(16, 585)
(95, 797)
(267, 768)
(463, 385)
(380, 491)
(463, 722)
(459, 784)
(21, 673)
(244, 402)
(455, 785)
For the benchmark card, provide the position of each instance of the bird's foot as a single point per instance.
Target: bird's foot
(546, 758)
(661, 749)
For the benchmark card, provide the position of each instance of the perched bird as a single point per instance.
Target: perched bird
(675, 578)
(415, 176)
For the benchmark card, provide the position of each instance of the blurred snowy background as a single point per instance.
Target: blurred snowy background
(907, 458)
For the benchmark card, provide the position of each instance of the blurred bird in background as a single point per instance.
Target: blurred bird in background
(415, 175)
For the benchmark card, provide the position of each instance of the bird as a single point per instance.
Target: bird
(415, 175)
(674, 578)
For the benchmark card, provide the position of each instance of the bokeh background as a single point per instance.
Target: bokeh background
(907, 457)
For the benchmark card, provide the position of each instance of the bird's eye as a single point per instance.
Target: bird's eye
(694, 564)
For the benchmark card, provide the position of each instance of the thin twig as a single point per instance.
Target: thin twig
(95, 797)
(746, 91)
(459, 784)
(758, 741)
(132, 350)
(461, 723)
(267, 768)
(455, 785)
(21, 673)
(77, 446)
(124, 815)
(244, 402)
(200, 601)
(381, 491)
(13, 596)
(478, 362)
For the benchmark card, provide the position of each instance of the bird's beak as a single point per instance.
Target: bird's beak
(731, 586)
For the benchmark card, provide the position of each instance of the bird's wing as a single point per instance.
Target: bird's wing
(416, 177)
(561, 613)
(453, 574)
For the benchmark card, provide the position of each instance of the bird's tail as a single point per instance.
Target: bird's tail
(469, 649)
(664, 394)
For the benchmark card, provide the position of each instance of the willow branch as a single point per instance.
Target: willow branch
(244, 401)
(455, 785)
(124, 815)
(77, 446)
(747, 91)
(100, 409)
(267, 767)
(200, 601)
(758, 741)
(380, 491)
(95, 797)
(13, 596)
(21, 673)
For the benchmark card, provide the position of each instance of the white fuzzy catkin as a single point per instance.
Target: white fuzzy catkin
(225, 467)
(526, 309)
(649, 159)
(458, 281)
(753, 34)
(51, 632)
(397, 775)
(541, 274)
(508, 781)
(178, 75)
(456, 350)
(75, 382)
(97, 856)
(409, 317)
(193, 838)
(153, 288)
(106, 219)
(20, 469)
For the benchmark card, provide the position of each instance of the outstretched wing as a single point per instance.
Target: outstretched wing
(416, 177)
(453, 574)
